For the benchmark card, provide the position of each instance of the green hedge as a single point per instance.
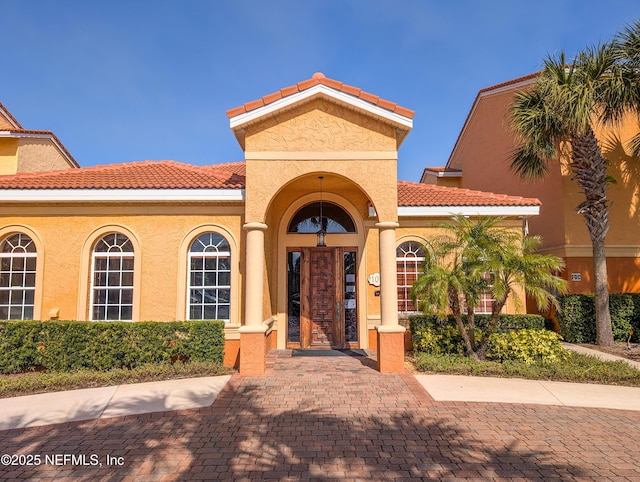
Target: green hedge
(73, 345)
(505, 322)
(577, 316)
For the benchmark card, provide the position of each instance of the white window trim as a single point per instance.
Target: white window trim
(418, 259)
(93, 287)
(207, 254)
(22, 254)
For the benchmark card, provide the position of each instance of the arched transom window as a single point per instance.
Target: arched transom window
(17, 277)
(409, 259)
(209, 292)
(334, 219)
(112, 279)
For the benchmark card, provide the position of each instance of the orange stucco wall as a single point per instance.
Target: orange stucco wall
(623, 274)
(483, 154)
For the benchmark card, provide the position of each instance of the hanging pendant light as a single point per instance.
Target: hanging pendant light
(321, 233)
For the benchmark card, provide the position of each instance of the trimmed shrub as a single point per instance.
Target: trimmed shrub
(431, 335)
(74, 345)
(438, 340)
(576, 318)
(527, 346)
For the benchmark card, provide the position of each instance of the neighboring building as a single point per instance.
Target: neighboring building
(242, 242)
(23, 150)
(480, 160)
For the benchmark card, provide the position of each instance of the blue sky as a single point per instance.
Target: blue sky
(125, 80)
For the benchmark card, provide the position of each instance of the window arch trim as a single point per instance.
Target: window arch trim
(10, 230)
(112, 278)
(86, 269)
(182, 305)
(209, 278)
(409, 261)
(18, 258)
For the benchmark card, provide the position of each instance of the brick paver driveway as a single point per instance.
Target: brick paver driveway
(335, 418)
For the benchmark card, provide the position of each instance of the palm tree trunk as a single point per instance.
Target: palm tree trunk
(590, 171)
(454, 303)
(604, 332)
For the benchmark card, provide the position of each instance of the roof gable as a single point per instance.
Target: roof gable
(320, 86)
(7, 121)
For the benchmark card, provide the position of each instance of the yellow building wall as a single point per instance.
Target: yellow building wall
(65, 232)
(285, 155)
(428, 231)
(8, 155)
(320, 126)
(315, 138)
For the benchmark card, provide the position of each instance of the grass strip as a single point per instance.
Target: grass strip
(32, 383)
(578, 368)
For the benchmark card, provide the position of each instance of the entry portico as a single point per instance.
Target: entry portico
(315, 146)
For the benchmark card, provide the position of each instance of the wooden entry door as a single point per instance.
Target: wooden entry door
(321, 327)
(322, 306)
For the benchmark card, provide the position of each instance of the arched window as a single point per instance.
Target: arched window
(17, 277)
(334, 219)
(209, 293)
(409, 259)
(112, 279)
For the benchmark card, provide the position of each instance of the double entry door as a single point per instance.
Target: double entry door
(322, 307)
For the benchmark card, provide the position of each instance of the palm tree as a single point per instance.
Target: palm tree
(627, 51)
(457, 276)
(558, 116)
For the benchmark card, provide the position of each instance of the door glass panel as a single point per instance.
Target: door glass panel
(293, 296)
(350, 298)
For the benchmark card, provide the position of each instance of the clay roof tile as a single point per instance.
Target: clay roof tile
(319, 78)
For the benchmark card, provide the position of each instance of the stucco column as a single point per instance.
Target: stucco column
(253, 344)
(390, 333)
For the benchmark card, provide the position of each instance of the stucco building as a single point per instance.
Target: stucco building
(310, 242)
(480, 160)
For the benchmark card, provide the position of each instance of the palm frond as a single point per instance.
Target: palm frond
(528, 164)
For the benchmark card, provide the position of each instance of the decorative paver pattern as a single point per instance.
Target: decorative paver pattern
(336, 418)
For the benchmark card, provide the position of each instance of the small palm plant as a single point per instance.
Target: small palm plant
(455, 277)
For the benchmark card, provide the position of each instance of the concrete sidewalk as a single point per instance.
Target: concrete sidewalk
(108, 402)
(540, 392)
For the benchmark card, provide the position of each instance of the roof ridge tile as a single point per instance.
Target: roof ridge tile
(319, 79)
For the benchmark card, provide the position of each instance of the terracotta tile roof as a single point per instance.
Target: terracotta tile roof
(176, 175)
(239, 168)
(517, 80)
(316, 79)
(416, 194)
(133, 175)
